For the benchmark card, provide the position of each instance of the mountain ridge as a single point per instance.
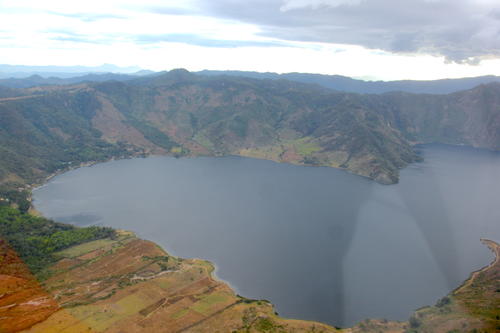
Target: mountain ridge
(183, 113)
(30, 79)
(348, 84)
(49, 129)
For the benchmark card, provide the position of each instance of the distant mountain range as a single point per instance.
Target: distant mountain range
(347, 84)
(38, 80)
(21, 71)
(29, 76)
(44, 129)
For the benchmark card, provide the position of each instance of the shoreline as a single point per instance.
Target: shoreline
(44, 180)
(40, 183)
(495, 248)
(213, 273)
(33, 210)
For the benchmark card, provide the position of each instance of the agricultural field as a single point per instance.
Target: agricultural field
(125, 284)
(131, 285)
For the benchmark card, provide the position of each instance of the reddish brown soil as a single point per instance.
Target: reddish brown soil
(23, 302)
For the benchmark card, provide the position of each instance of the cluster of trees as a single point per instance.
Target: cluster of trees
(37, 239)
(10, 195)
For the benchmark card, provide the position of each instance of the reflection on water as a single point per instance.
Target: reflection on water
(319, 243)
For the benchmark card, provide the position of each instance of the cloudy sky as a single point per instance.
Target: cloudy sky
(372, 39)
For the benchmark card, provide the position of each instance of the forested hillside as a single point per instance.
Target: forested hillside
(49, 128)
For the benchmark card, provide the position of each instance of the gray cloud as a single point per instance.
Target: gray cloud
(460, 30)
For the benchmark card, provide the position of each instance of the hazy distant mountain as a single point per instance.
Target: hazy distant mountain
(343, 83)
(30, 76)
(20, 71)
(38, 80)
(184, 113)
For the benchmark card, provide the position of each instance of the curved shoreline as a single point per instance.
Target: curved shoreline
(495, 248)
(214, 272)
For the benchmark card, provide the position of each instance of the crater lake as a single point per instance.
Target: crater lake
(319, 243)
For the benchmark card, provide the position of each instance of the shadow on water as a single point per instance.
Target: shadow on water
(317, 242)
(426, 205)
(299, 227)
(330, 305)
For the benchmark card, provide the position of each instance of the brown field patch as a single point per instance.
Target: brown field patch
(23, 302)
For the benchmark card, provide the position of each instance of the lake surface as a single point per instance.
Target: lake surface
(319, 243)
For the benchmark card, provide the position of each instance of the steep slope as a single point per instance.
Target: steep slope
(50, 128)
(288, 121)
(48, 131)
(370, 135)
(470, 117)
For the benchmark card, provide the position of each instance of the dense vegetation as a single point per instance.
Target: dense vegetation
(180, 112)
(36, 239)
(42, 134)
(11, 196)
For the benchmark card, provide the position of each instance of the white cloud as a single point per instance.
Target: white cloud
(129, 33)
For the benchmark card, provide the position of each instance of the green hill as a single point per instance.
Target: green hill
(50, 128)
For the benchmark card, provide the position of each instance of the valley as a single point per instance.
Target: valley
(181, 113)
(95, 286)
(225, 166)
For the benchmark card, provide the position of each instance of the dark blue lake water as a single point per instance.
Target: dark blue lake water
(319, 243)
